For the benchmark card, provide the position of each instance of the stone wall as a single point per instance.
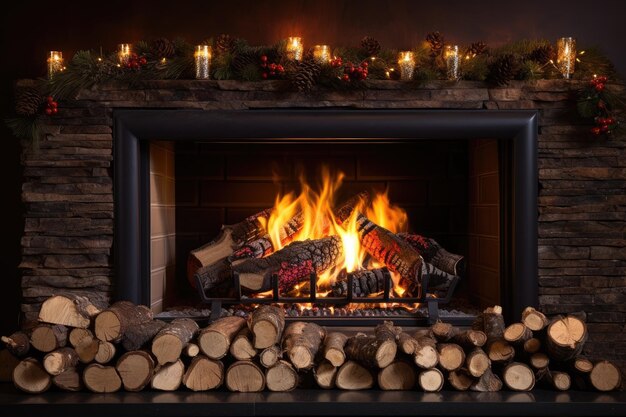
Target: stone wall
(68, 198)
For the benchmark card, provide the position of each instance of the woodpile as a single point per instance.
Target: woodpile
(264, 352)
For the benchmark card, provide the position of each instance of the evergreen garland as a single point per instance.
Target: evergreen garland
(235, 59)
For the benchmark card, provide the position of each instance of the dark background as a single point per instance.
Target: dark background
(31, 28)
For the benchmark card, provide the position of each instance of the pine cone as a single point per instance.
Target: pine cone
(224, 43)
(306, 75)
(503, 70)
(370, 46)
(476, 48)
(163, 48)
(436, 42)
(542, 54)
(28, 101)
(243, 60)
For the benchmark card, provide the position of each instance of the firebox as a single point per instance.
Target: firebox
(467, 179)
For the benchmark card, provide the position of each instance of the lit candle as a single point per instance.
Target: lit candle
(566, 56)
(452, 61)
(406, 64)
(294, 48)
(123, 53)
(55, 63)
(203, 62)
(321, 54)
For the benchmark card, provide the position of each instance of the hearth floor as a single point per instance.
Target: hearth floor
(310, 402)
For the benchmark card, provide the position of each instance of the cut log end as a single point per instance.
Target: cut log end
(518, 377)
(29, 376)
(397, 376)
(325, 375)
(605, 376)
(167, 348)
(431, 380)
(168, 377)
(352, 376)
(203, 374)
(135, 369)
(301, 357)
(534, 319)
(265, 334)
(451, 356)
(108, 326)
(244, 376)
(101, 379)
(460, 380)
(281, 377)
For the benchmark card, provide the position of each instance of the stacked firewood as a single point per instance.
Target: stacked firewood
(78, 345)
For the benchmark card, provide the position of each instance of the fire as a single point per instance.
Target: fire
(315, 208)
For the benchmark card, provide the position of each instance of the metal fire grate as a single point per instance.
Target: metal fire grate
(431, 297)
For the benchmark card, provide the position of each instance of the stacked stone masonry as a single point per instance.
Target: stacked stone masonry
(67, 190)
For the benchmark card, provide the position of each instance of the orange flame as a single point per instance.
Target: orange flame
(315, 209)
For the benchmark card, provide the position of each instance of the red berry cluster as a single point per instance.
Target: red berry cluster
(51, 106)
(603, 125)
(352, 73)
(599, 82)
(336, 62)
(136, 62)
(271, 69)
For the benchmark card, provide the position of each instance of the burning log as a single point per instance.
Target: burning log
(29, 376)
(434, 254)
(169, 343)
(292, 264)
(168, 377)
(267, 324)
(302, 341)
(364, 282)
(394, 252)
(203, 374)
(112, 324)
(231, 238)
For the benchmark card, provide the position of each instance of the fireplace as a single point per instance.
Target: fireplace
(466, 178)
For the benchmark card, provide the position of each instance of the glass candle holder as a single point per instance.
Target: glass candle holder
(451, 56)
(123, 53)
(566, 56)
(406, 63)
(321, 54)
(202, 58)
(55, 63)
(294, 48)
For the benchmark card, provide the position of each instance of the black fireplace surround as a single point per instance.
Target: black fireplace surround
(516, 130)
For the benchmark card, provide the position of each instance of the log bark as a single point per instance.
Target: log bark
(395, 253)
(138, 337)
(364, 283)
(60, 361)
(29, 376)
(241, 348)
(517, 333)
(533, 319)
(443, 332)
(101, 378)
(565, 338)
(518, 377)
(68, 380)
(353, 376)
(292, 264)
(169, 342)
(281, 377)
(70, 309)
(399, 375)
(605, 376)
(469, 339)
(191, 350)
(301, 342)
(560, 381)
(491, 322)
(451, 356)
(113, 323)
(204, 374)
(18, 343)
(269, 356)
(135, 369)
(106, 352)
(431, 380)
(499, 351)
(426, 355)
(488, 382)
(245, 376)
(325, 375)
(214, 341)
(376, 351)
(477, 362)
(168, 377)
(460, 380)
(231, 238)
(407, 343)
(8, 362)
(582, 365)
(48, 337)
(333, 348)
(434, 254)
(267, 324)
(78, 334)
